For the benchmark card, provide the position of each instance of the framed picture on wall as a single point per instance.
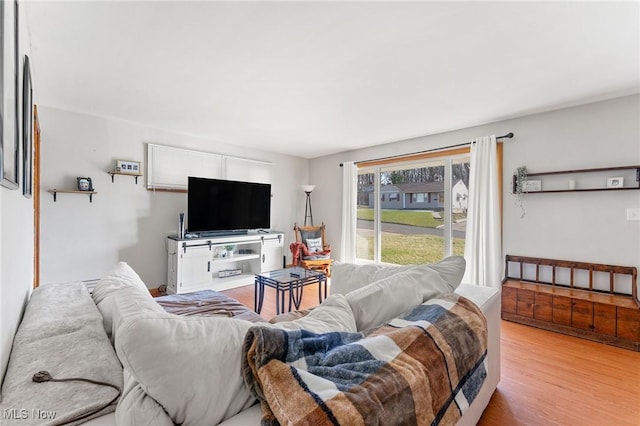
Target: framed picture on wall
(615, 182)
(533, 185)
(9, 125)
(131, 167)
(27, 130)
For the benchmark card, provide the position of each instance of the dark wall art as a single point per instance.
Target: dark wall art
(9, 106)
(27, 130)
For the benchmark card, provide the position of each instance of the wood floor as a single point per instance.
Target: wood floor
(547, 378)
(245, 296)
(552, 379)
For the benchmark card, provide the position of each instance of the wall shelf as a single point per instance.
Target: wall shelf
(55, 193)
(135, 175)
(590, 188)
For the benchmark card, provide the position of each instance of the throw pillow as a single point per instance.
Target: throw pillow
(189, 365)
(129, 302)
(334, 314)
(379, 302)
(346, 277)
(121, 278)
(314, 245)
(451, 269)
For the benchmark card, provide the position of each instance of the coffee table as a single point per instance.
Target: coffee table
(289, 280)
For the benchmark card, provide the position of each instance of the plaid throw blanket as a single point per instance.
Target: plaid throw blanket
(425, 368)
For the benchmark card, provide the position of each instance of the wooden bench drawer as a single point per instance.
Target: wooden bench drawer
(562, 310)
(526, 301)
(543, 309)
(509, 300)
(604, 319)
(582, 314)
(628, 324)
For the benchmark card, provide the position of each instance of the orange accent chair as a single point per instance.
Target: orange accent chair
(310, 250)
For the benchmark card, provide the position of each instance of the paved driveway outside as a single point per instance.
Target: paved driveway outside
(396, 228)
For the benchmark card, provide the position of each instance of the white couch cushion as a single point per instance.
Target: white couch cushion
(346, 277)
(129, 302)
(188, 365)
(61, 332)
(379, 302)
(137, 408)
(334, 314)
(451, 269)
(122, 276)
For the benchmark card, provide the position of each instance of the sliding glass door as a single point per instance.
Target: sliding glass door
(366, 223)
(412, 212)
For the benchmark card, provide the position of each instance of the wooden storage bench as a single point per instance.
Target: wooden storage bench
(534, 294)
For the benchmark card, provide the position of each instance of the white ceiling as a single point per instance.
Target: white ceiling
(315, 78)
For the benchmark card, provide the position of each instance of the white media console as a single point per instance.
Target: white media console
(194, 263)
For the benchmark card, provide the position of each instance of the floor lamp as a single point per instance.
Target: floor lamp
(308, 213)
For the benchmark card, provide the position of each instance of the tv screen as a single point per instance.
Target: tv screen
(215, 205)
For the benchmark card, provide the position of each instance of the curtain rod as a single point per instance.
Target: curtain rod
(507, 136)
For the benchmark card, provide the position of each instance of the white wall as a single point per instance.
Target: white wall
(82, 240)
(16, 249)
(589, 226)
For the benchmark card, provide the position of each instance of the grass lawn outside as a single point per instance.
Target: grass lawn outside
(407, 249)
(406, 217)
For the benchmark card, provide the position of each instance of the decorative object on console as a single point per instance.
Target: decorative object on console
(221, 252)
(84, 184)
(229, 273)
(308, 213)
(229, 248)
(181, 226)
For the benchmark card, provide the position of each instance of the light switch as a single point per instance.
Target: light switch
(633, 213)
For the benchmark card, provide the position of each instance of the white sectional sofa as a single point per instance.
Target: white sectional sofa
(187, 370)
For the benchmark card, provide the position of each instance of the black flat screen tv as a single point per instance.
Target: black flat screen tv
(218, 206)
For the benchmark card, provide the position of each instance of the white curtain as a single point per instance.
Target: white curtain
(482, 249)
(349, 202)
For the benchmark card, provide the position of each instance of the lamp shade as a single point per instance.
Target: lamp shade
(308, 188)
